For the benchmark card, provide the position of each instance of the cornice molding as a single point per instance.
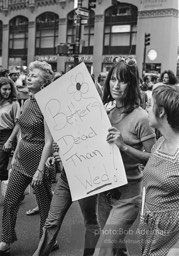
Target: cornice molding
(45, 2)
(158, 13)
(16, 7)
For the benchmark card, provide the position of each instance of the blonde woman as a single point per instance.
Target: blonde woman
(32, 151)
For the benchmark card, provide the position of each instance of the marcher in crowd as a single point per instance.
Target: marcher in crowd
(14, 74)
(20, 84)
(98, 87)
(31, 154)
(22, 91)
(149, 95)
(147, 82)
(35, 210)
(4, 72)
(101, 80)
(168, 77)
(159, 224)
(143, 95)
(60, 204)
(134, 137)
(9, 114)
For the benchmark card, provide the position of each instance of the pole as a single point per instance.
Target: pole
(77, 35)
(144, 58)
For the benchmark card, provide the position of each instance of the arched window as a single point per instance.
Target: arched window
(18, 39)
(46, 33)
(0, 38)
(120, 29)
(86, 33)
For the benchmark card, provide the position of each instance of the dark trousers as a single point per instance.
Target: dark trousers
(14, 196)
(4, 156)
(60, 204)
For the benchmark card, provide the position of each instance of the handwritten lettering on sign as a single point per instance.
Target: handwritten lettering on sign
(79, 124)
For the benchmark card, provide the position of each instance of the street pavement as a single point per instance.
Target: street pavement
(70, 238)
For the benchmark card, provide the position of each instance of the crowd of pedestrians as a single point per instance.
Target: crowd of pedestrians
(144, 117)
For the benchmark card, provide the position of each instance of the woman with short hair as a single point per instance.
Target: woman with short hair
(159, 224)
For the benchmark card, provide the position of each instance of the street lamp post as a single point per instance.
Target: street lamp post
(144, 60)
(77, 34)
(146, 43)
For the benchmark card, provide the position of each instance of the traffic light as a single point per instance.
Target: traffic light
(147, 39)
(65, 49)
(62, 49)
(71, 49)
(91, 4)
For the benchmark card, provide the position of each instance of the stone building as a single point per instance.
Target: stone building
(31, 29)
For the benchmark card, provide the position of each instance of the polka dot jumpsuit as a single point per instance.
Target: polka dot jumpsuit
(27, 160)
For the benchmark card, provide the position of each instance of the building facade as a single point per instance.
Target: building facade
(31, 29)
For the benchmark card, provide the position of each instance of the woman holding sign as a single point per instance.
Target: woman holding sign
(60, 204)
(31, 154)
(134, 137)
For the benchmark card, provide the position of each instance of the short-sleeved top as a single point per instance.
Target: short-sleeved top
(161, 179)
(31, 145)
(9, 114)
(134, 128)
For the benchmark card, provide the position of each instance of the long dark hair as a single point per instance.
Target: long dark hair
(129, 75)
(13, 94)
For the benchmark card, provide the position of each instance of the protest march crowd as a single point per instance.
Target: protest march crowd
(144, 118)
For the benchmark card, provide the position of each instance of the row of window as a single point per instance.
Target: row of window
(120, 29)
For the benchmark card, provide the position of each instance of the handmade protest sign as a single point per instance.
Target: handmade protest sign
(79, 124)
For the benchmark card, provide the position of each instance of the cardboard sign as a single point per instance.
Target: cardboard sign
(79, 124)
